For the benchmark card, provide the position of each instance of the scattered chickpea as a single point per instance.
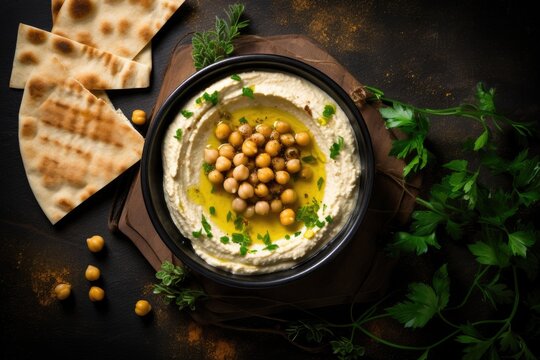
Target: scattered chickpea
(282, 177)
(230, 185)
(245, 130)
(96, 293)
(250, 211)
(272, 147)
(274, 135)
(142, 307)
(249, 147)
(276, 206)
(293, 166)
(263, 129)
(245, 191)
(292, 153)
(278, 163)
(62, 291)
(138, 117)
(92, 273)
(306, 173)
(240, 159)
(223, 163)
(261, 190)
(265, 174)
(95, 243)
(239, 205)
(263, 160)
(236, 139)
(287, 217)
(253, 178)
(262, 208)
(302, 138)
(282, 127)
(222, 131)
(287, 139)
(241, 172)
(258, 139)
(226, 150)
(289, 196)
(215, 177)
(210, 156)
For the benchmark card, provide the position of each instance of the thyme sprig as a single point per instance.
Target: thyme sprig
(216, 44)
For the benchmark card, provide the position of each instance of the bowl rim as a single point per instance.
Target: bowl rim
(200, 80)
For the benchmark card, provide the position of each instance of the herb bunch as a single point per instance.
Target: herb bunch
(216, 44)
(172, 286)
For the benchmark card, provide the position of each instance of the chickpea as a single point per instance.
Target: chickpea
(302, 138)
(245, 191)
(138, 117)
(261, 190)
(293, 166)
(251, 165)
(306, 173)
(253, 178)
(210, 156)
(62, 291)
(292, 153)
(230, 185)
(241, 172)
(287, 217)
(239, 205)
(282, 127)
(95, 243)
(265, 174)
(222, 131)
(246, 130)
(92, 273)
(249, 147)
(282, 177)
(223, 163)
(226, 150)
(96, 293)
(272, 147)
(274, 135)
(240, 159)
(288, 196)
(263, 160)
(278, 163)
(276, 206)
(287, 139)
(236, 139)
(264, 129)
(262, 208)
(258, 139)
(250, 211)
(215, 177)
(142, 307)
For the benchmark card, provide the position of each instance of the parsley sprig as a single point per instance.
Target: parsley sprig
(172, 286)
(216, 44)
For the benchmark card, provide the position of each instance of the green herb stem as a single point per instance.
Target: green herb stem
(471, 289)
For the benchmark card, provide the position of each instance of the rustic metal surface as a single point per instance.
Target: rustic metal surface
(426, 52)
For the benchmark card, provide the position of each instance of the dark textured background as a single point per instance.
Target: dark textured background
(430, 53)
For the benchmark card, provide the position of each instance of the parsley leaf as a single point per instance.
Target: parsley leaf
(236, 77)
(266, 240)
(243, 120)
(320, 183)
(179, 134)
(224, 239)
(519, 241)
(328, 111)
(336, 148)
(212, 210)
(404, 241)
(207, 168)
(248, 92)
(424, 301)
(243, 240)
(308, 214)
(186, 113)
(229, 216)
(310, 159)
(206, 226)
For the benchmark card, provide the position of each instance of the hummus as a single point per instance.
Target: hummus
(203, 213)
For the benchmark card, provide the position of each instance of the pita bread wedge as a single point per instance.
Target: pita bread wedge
(145, 56)
(121, 27)
(94, 68)
(72, 144)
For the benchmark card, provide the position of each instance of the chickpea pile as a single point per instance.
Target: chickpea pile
(255, 165)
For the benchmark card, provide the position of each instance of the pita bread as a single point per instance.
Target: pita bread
(94, 68)
(144, 57)
(121, 27)
(72, 144)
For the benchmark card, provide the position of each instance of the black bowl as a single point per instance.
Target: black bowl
(152, 170)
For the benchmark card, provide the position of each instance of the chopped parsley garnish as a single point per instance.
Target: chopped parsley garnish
(308, 214)
(320, 183)
(328, 111)
(320, 224)
(186, 113)
(336, 148)
(297, 234)
(287, 237)
(179, 134)
(243, 120)
(197, 234)
(248, 92)
(229, 216)
(243, 240)
(207, 167)
(236, 77)
(224, 239)
(206, 226)
(211, 98)
(329, 219)
(212, 210)
(239, 223)
(310, 159)
(266, 240)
